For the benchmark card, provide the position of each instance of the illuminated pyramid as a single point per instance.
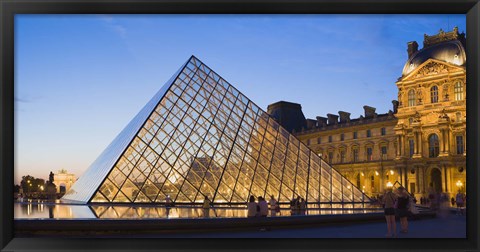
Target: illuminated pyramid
(199, 136)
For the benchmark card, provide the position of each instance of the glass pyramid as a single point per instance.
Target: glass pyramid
(199, 136)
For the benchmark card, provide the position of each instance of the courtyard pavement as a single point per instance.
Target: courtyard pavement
(450, 226)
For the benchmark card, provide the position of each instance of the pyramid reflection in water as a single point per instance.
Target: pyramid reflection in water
(199, 136)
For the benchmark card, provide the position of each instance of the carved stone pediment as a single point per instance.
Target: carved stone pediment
(432, 68)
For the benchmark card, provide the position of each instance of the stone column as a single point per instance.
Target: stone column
(420, 144)
(402, 146)
(442, 141)
(444, 178)
(415, 143)
(367, 183)
(449, 180)
(398, 174)
(399, 143)
(380, 187)
(417, 180)
(447, 146)
(422, 178)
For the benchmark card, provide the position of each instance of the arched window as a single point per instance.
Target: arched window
(355, 154)
(433, 146)
(411, 98)
(458, 91)
(434, 94)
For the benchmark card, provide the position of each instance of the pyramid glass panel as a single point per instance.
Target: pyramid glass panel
(199, 136)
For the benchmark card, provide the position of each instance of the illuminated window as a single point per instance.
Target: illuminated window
(355, 155)
(458, 91)
(358, 180)
(434, 94)
(384, 152)
(369, 154)
(433, 146)
(411, 98)
(459, 144)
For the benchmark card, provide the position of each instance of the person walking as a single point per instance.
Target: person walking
(273, 206)
(206, 207)
(460, 199)
(297, 205)
(303, 206)
(403, 201)
(168, 201)
(292, 206)
(263, 205)
(389, 199)
(252, 207)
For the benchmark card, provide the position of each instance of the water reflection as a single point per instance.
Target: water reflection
(45, 210)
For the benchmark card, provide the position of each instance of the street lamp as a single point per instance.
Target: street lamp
(459, 184)
(389, 184)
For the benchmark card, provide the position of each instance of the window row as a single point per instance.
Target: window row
(434, 94)
(368, 133)
(434, 146)
(354, 154)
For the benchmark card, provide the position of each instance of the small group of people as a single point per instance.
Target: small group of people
(397, 203)
(424, 201)
(260, 208)
(298, 206)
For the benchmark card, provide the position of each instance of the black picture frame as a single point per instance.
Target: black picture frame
(9, 8)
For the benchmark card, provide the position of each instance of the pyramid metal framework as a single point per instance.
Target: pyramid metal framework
(199, 136)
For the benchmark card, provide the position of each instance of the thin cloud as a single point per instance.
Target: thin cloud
(112, 24)
(17, 99)
(27, 99)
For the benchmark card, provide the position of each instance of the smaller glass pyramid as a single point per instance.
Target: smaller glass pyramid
(199, 136)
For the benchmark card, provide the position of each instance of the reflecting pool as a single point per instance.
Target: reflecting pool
(57, 210)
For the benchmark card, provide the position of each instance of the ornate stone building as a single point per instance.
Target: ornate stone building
(420, 143)
(432, 115)
(63, 180)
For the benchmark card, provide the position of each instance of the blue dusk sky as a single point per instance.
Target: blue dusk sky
(79, 79)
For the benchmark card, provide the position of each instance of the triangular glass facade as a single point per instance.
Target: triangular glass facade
(205, 138)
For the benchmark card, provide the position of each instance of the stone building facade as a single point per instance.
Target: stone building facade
(64, 180)
(420, 143)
